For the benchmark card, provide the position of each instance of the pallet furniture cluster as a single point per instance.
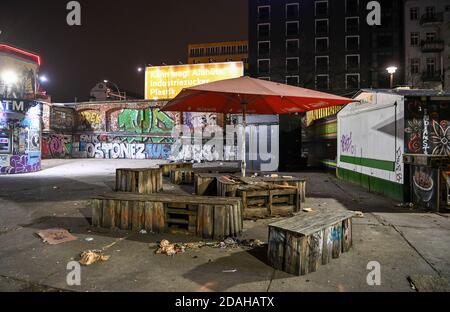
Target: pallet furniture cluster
(207, 217)
(301, 244)
(189, 176)
(142, 181)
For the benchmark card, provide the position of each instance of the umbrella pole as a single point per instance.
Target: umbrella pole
(244, 140)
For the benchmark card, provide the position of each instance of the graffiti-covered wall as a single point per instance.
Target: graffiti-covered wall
(20, 136)
(115, 130)
(427, 127)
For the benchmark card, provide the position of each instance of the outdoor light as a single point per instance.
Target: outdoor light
(392, 70)
(43, 79)
(9, 77)
(139, 69)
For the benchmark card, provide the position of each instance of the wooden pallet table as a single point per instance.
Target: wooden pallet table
(205, 184)
(299, 183)
(265, 200)
(207, 217)
(182, 176)
(166, 168)
(301, 244)
(142, 181)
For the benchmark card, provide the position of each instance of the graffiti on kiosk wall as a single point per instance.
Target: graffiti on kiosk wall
(347, 144)
(427, 128)
(20, 137)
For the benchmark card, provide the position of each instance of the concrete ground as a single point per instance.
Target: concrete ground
(405, 242)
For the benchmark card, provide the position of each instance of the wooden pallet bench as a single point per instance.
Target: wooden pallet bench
(207, 217)
(142, 181)
(182, 176)
(205, 184)
(166, 168)
(301, 244)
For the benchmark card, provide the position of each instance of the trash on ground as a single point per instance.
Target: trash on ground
(229, 271)
(143, 232)
(307, 209)
(89, 239)
(92, 256)
(167, 248)
(359, 214)
(56, 236)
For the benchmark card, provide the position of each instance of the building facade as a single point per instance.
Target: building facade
(328, 46)
(218, 52)
(427, 44)
(325, 45)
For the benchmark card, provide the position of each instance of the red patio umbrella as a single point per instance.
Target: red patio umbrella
(251, 96)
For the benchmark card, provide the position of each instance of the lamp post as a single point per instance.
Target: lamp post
(9, 78)
(392, 70)
(115, 85)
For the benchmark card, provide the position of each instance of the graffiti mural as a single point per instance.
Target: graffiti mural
(90, 120)
(57, 146)
(427, 128)
(150, 120)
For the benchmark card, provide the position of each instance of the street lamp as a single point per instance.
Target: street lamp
(9, 78)
(115, 85)
(43, 79)
(140, 69)
(392, 70)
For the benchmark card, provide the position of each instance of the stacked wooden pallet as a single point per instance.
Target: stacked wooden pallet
(300, 245)
(207, 217)
(182, 176)
(167, 168)
(142, 181)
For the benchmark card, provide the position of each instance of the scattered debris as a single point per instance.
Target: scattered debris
(229, 271)
(56, 188)
(359, 214)
(92, 256)
(89, 239)
(56, 236)
(167, 248)
(307, 209)
(143, 232)
(405, 205)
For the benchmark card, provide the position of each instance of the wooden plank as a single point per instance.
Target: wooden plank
(315, 251)
(346, 235)
(159, 220)
(336, 236)
(138, 216)
(97, 207)
(118, 215)
(304, 255)
(219, 221)
(108, 214)
(327, 253)
(148, 217)
(292, 259)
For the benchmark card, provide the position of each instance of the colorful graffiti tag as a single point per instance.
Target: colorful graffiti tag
(90, 120)
(57, 146)
(427, 129)
(144, 121)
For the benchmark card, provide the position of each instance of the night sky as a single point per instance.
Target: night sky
(115, 38)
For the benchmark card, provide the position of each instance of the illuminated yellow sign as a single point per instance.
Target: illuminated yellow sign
(166, 82)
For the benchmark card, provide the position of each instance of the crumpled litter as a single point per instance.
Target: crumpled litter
(92, 256)
(166, 248)
(359, 214)
(56, 236)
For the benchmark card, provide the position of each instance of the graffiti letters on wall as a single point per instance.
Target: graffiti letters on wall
(428, 128)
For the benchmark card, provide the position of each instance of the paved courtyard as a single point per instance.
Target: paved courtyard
(405, 242)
